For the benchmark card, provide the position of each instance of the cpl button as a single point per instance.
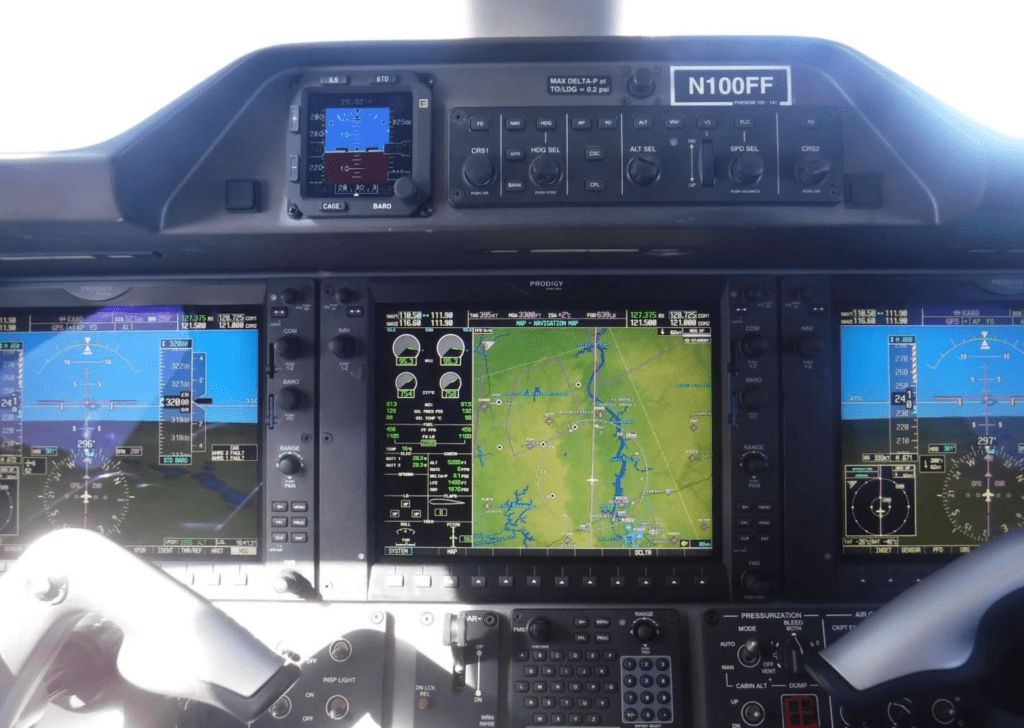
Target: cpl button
(337, 707)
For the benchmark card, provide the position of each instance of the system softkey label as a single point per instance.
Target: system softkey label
(731, 86)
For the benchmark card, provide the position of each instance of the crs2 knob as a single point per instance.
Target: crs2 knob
(812, 170)
(644, 169)
(478, 170)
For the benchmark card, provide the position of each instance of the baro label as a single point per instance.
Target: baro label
(579, 85)
(731, 86)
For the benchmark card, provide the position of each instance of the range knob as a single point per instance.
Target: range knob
(749, 653)
(755, 581)
(288, 347)
(545, 170)
(478, 170)
(809, 345)
(405, 188)
(644, 169)
(747, 169)
(754, 397)
(539, 629)
(754, 344)
(641, 83)
(288, 399)
(342, 346)
(812, 170)
(289, 464)
(645, 630)
(754, 462)
(337, 707)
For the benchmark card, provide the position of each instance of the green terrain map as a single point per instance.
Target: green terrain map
(591, 438)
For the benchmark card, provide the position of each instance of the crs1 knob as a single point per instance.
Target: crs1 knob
(288, 347)
(645, 630)
(289, 464)
(545, 170)
(342, 346)
(812, 170)
(478, 170)
(747, 169)
(644, 169)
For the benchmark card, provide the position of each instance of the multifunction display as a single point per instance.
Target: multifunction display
(357, 144)
(932, 427)
(136, 422)
(580, 432)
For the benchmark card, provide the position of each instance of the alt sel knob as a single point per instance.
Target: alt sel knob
(289, 464)
(644, 169)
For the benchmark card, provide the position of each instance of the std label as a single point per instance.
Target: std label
(579, 85)
(732, 86)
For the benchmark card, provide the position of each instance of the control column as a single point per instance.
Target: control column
(753, 423)
(290, 457)
(345, 315)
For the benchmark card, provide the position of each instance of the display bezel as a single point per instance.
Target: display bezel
(97, 295)
(705, 296)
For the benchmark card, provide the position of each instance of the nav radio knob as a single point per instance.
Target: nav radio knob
(288, 347)
(644, 169)
(809, 345)
(289, 464)
(545, 170)
(478, 170)
(645, 630)
(754, 462)
(342, 346)
(754, 344)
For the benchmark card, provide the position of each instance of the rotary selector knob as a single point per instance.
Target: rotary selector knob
(342, 346)
(791, 655)
(901, 712)
(747, 169)
(340, 650)
(754, 344)
(545, 170)
(478, 170)
(812, 170)
(755, 581)
(288, 347)
(539, 629)
(645, 630)
(943, 711)
(754, 397)
(644, 169)
(337, 707)
(754, 462)
(641, 83)
(749, 653)
(289, 399)
(289, 464)
(809, 345)
(752, 713)
(281, 708)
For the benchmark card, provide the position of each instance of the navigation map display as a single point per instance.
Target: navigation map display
(139, 422)
(932, 427)
(357, 144)
(512, 432)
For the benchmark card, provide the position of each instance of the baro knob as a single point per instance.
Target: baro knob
(545, 170)
(289, 464)
(288, 399)
(288, 347)
(644, 169)
(754, 397)
(478, 170)
(405, 188)
(539, 629)
(645, 630)
(342, 346)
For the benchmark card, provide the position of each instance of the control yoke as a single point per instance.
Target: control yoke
(175, 642)
(950, 629)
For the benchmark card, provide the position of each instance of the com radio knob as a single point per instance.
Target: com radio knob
(288, 347)
(644, 169)
(754, 344)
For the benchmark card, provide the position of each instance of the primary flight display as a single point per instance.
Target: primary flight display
(510, 432)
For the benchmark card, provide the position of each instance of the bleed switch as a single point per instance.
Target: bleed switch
(707, 162)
